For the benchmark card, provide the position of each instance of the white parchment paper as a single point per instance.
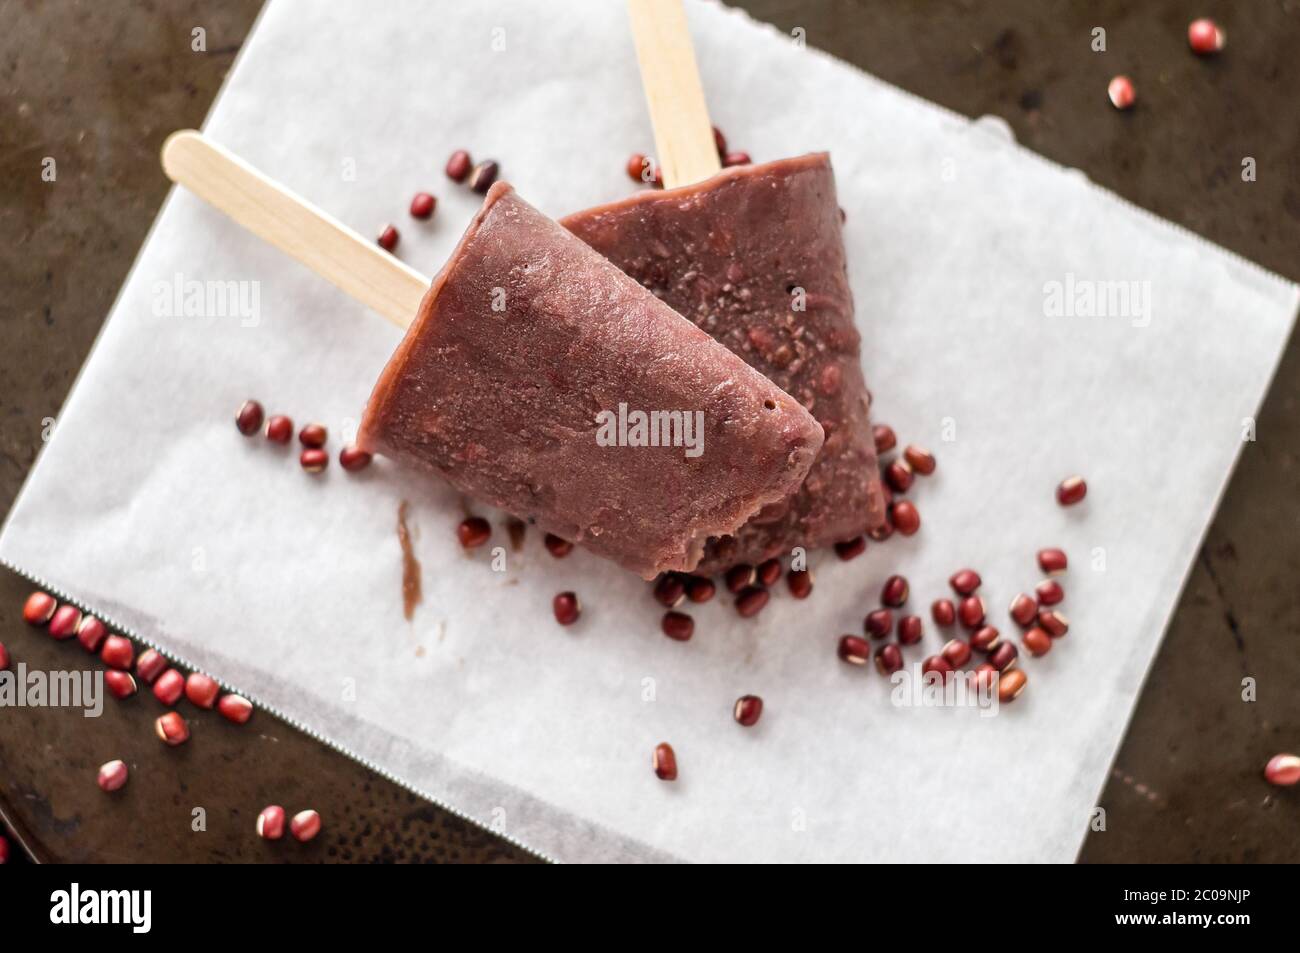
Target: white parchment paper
(149, 507)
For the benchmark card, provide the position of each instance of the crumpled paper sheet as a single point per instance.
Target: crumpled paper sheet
(149, 507)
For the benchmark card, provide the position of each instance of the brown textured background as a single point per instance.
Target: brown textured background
(98, 85)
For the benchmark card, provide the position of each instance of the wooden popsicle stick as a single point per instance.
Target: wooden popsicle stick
(683, 134)
(356, 266)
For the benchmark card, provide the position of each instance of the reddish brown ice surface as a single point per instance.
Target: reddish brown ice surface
(739, 254)
(510, 380)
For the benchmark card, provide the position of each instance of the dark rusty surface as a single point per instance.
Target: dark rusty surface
(98, 86)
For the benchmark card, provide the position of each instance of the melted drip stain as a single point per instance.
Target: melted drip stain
(412, 593)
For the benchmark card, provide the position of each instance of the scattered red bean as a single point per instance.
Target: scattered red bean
(566, 607)
(559, 548)
(422, 205)
(91, 633)
(305, 825)
(4, 657)
(120, 684)
(473, 532)
(889, 659)
(388, 238)
(751, 600)
(910, 630)
(112, 775)
(169, 687)
(899, 475)
(118, 652)
(201, 690)
(1053, 623)
(956, 653)
(678, 626)
(1071, 491)
(1205, 37)
(920, 459)
(943, 613)
(353, 459)
(1023, 609)
(769, 571)
(799, 582)
(735, 158)
(458, 166)
(853, 650)
(1011, 684)
(739, 577)
(313, 459)
(636, 166)
(1052, 562)
(1121, 92)
(971, 612)
(1003, 656)
(270, 823)
(907, 519)
(936, 664)
(985, 638)
(1049, 592)
(664, 762)
(313, 435)
(883, 531)
(150, 665)
(748, 709)
(172, 729)
(700, 589)
(64, 622)
(279, 429)
(719, 142)
(878, 623)
(1037, 642)
(659, 178)
(885, 438)
(235, 708)
(249, 418)
(483, 175)
(986, 678)
(39, 608)
(964, 581)
(670, 590)
(1283, 770)
(851, 548)
(895, 591)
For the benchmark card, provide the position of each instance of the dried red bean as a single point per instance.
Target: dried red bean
(473, 531)
(39, 608)
(91, 633)
(305, 825)
(270, 822)
(910, 630)
(458, 166)
(1205, 37)
(150, 665)
(1121, 92)
(313, 460)
(735, 158)
(201, 690)
(279, 429)
(119, 684)
(899, 475)
(878, 623)
(559, 548)
(895, 591)
(885, 438)
(112, 775)
(678, 626)
(800, 583)
(964, 581)
(635, 166)
(423, 205)
(956, 653)
(971, 612)
(670, 590)
(985, 638)
(1052, 562)
(1053, 623)
(747, 710)
(1037, 642)
(883, 531)
(853, 650)
(1003, 656)
(388, 238)
(851, 548)
(750, 602)
(1049, 592)
(700, 589)
(937, 664)
(566, 607)
(719, 142)
(483, 175)
(906, 517)
(249, 418)
(1011, 684)
(889, 659)
(313, 435)
(920, 459)
(664, 762)
(1283, 770)
(1071, 491)
(943, 613)
(172, 729)
(64, 622)
(769, 571)
(738, 577)
(118, 652)
(353, 459)
(1023, 609)
(235, 708)
(169, 687)
(986, 678)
